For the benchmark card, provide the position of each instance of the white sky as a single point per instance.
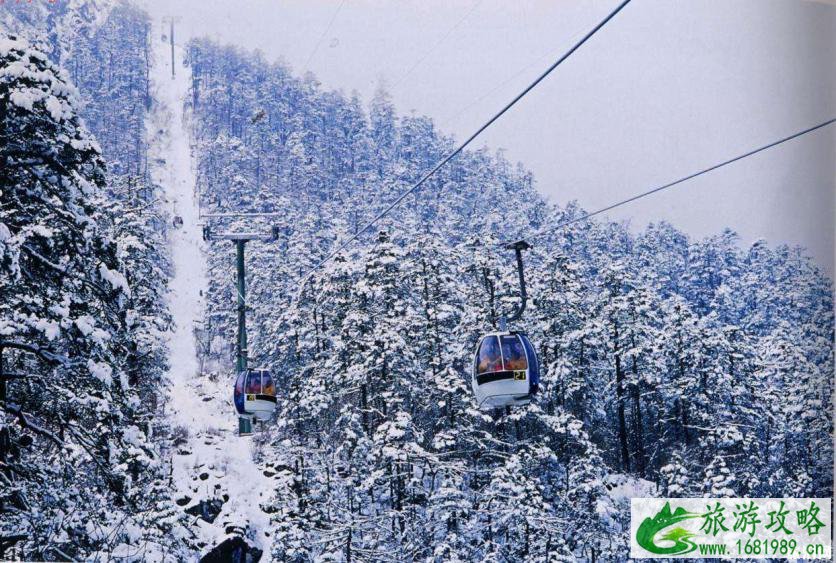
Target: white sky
(666, 88)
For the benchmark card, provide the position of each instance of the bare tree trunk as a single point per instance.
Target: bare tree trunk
(619, 397)
(638, 422)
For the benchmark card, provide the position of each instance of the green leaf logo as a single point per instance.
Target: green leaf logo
(680, 537)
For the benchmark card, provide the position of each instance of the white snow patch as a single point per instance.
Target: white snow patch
(24, 98)
(42, 230)
(62, 310)
(133, 435)
(85, 324)
(117, 279)
(622, 487)
(88, 327)
(55, 108)
(7, 45)
(101, 371)
(198, 404)
(50, 329)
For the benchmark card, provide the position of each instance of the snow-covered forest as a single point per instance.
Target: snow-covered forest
(671, 366)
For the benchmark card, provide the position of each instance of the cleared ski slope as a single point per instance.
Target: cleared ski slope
(212, 462)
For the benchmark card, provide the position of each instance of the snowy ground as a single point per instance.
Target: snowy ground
(213, 463)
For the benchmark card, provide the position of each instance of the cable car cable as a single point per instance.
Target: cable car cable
(430, 51)
(462, 146)
(658, 189)
(322, 37)
(453, 117)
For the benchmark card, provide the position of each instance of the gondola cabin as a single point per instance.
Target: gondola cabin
(255, 394)
(505, 370)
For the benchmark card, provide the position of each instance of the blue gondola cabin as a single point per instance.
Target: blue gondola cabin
(255, 394)
(505, 370)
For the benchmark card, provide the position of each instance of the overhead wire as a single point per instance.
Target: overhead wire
(461, 146)
(449, 32)
(585, 216)
(451, 118)
(322, 37)
(455, 115)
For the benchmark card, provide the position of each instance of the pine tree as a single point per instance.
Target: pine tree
(65, 324)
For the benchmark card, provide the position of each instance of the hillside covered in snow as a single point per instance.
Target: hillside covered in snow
(671, 366)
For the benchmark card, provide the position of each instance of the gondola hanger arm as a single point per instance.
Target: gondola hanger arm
(518, 248)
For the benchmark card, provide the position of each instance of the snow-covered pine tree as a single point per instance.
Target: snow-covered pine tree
(65, 326)
(691, 315)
